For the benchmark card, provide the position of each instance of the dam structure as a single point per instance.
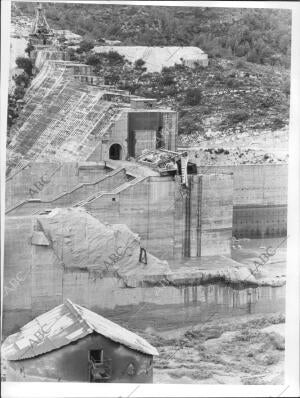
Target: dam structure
(70, 116)
(76, 183)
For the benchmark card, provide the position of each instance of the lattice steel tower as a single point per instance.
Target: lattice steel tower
(41, 32)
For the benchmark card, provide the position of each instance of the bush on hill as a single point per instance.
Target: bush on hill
(193, 96)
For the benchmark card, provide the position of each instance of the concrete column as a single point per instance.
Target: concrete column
(179, 217)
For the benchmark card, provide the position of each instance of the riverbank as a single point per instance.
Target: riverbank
(239, 350)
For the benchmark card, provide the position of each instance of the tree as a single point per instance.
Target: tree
(94, 60)
(85, 46)
(22, 80)
(139, 65)
(167, 80)
(114, 58)
(25, 64)
(19, 92)
(29, 49)
(112, 78)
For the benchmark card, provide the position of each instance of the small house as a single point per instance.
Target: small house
(71, 343)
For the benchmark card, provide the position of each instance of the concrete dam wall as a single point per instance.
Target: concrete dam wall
(171, 222)
(259, 199)
(47, 180)
(49, 259)
(47, 256)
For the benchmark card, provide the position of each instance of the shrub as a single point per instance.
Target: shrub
(19, 92)
(179, 67)
(114, 58)
(286, 87)
(232, 83)
(167, 80)
(22, 80)
(278, 123)
(72, 54)
(238, 117)
(139, 65)
(171, 91)
(241, 64)
(29, 48)
(93, 59)
(193, 96)
(113, 79)
(25, 64)
(85, 46)
(268, 102)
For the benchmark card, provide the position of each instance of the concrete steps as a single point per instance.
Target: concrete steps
(65, 198)
(115, 191)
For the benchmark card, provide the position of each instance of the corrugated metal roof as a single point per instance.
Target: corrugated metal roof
(63, 324)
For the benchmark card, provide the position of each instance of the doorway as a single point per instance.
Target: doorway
(100, 369)
(115, 152)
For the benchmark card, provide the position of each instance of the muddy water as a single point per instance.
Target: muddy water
(245, 249)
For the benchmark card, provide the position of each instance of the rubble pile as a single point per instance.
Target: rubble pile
(160, 160)
(230, 156)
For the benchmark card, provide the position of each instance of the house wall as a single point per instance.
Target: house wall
(70, 363)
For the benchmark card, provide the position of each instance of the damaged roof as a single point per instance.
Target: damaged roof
(64, 324)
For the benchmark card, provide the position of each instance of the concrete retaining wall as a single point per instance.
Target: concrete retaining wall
(172, 224)
(35, 281)
(70, 198)
(259, 198)
(46, 180)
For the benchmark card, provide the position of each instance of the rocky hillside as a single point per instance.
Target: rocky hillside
(226, 99)
(241, 94)
(260, 35)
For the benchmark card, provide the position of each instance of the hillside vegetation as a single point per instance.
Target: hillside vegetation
(259, 35)
(245, 88)
(228, 97)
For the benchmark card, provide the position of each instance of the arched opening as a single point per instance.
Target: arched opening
(115, 152)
